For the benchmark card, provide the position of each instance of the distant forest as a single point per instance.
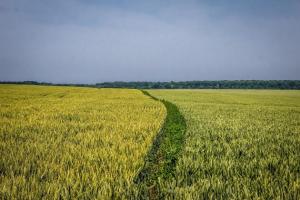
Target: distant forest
(236, 84)
(248, 84)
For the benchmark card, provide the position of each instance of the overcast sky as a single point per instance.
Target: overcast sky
(89, 41)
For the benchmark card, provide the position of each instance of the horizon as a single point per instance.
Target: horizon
(80, 83)
(89, 42)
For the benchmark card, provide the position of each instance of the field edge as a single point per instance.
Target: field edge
(161, 159)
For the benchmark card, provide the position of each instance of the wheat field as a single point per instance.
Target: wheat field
(89, 143)
(74, 143)
(239, 144)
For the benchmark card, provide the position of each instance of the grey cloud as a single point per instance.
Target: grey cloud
(79, 42)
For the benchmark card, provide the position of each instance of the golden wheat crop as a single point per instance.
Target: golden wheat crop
(67, 142)
(240, 144)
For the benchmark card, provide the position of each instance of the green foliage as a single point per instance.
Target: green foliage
(162, 158)
(238, 84)
(239, 144)
(222, 84)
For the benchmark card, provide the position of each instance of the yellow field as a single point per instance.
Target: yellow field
(73, 142)
(239, 144)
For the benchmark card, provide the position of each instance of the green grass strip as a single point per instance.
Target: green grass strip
(161, 160)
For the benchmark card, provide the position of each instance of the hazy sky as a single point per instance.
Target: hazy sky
(89, 41)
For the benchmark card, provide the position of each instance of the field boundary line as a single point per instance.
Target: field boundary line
(162, 157)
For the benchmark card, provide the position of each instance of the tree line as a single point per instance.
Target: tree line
(238, 84)
(223, 84)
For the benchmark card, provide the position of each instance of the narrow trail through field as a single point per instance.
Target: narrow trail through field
(161, 160)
